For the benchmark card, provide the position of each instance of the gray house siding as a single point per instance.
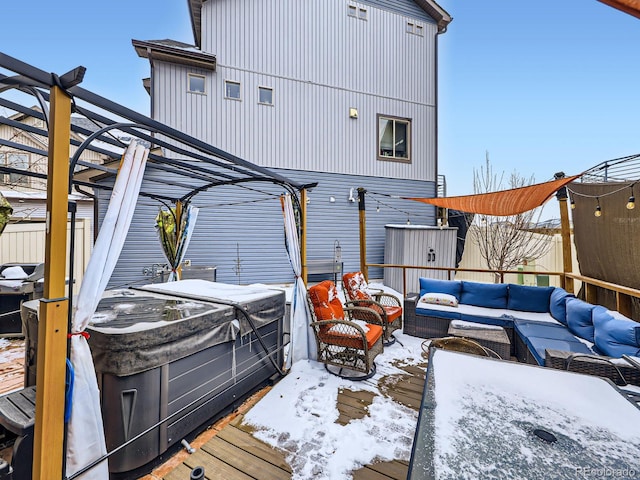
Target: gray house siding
(307, 128)
(402, 7)
(320, 62)
(237, 224)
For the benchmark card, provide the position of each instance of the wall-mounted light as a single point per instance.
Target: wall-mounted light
(353, 112)
(351, 197)
(332, 199)
(631, 203)
(598, 211)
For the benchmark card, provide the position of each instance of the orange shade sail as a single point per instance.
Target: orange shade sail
(504, 202)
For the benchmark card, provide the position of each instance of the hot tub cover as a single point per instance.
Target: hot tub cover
(264, 304)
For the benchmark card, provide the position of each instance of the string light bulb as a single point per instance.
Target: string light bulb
(573, 204)
(408, 221)
(631, 203)
(378, 208)
(598, 212)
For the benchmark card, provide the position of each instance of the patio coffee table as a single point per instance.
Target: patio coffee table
(492, 337)
(486, 418)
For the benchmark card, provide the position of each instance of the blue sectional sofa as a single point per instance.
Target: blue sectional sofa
(546, 325)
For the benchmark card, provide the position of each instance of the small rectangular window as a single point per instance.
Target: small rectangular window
(362, 13)
(419, 30)
(232, 90)
(19, 161)
(265, 96)
(196, 83)
(394, 139)
(352, 10)
(410, 27)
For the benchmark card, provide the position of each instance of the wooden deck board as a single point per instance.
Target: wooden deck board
(234, 454)
(244, 461)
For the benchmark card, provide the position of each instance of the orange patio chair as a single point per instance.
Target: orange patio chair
(342, 342)
(384, 304)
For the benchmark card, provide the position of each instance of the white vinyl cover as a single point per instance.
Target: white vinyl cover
(85, 438)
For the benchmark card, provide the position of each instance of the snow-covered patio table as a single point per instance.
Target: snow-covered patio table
(491, 419)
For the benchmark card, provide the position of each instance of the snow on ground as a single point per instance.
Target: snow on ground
(298, 415)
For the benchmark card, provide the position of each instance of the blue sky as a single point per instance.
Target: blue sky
(542, 86)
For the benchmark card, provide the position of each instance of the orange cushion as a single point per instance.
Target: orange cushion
(355, 286)
(352, 341)
(326, 304)
(393, 313)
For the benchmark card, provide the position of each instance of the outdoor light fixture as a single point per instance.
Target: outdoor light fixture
(353, 112)
(351, 197)
(332, 199)
(598, 212)
(573, 204)
(631, 204)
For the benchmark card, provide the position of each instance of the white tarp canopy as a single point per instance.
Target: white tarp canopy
(85, 437)
(302, 344)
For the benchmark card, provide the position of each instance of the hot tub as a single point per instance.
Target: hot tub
(171, 364)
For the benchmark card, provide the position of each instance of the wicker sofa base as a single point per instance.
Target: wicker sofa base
(592, 365)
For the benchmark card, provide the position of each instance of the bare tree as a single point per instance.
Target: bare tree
(506, 242)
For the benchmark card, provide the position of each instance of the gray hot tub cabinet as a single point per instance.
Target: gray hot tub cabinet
(170, 364)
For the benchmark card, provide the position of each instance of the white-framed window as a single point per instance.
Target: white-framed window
(265, 95)
(17, 160)
(357, 12)
(415, 28)
(394, 138)
(196, 83)
(232, 90)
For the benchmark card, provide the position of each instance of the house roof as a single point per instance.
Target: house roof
(175, 52)
(434, 10)
(632, 7)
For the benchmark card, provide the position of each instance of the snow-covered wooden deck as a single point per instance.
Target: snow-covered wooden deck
(229, 450)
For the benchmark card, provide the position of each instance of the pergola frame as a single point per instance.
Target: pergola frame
(202, 166)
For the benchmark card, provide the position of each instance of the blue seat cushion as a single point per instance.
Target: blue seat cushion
(558, 304)
(579, 318)
(615, 336)
(503, 321)
(529, 299)
(452, 314)
(537, 347)
(490, 295)
(432, 285)
(554, 331)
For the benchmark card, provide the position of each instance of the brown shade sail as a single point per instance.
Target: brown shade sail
(632, 7)
(502, 203)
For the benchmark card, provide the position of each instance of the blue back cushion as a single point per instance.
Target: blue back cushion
(432, 285)
(557, 304)
(490, 295)
(529, 299)
(615, 336)
(579, 318)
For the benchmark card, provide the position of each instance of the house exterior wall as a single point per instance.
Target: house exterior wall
(241, 231)
(320, 62)
(37, 163)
